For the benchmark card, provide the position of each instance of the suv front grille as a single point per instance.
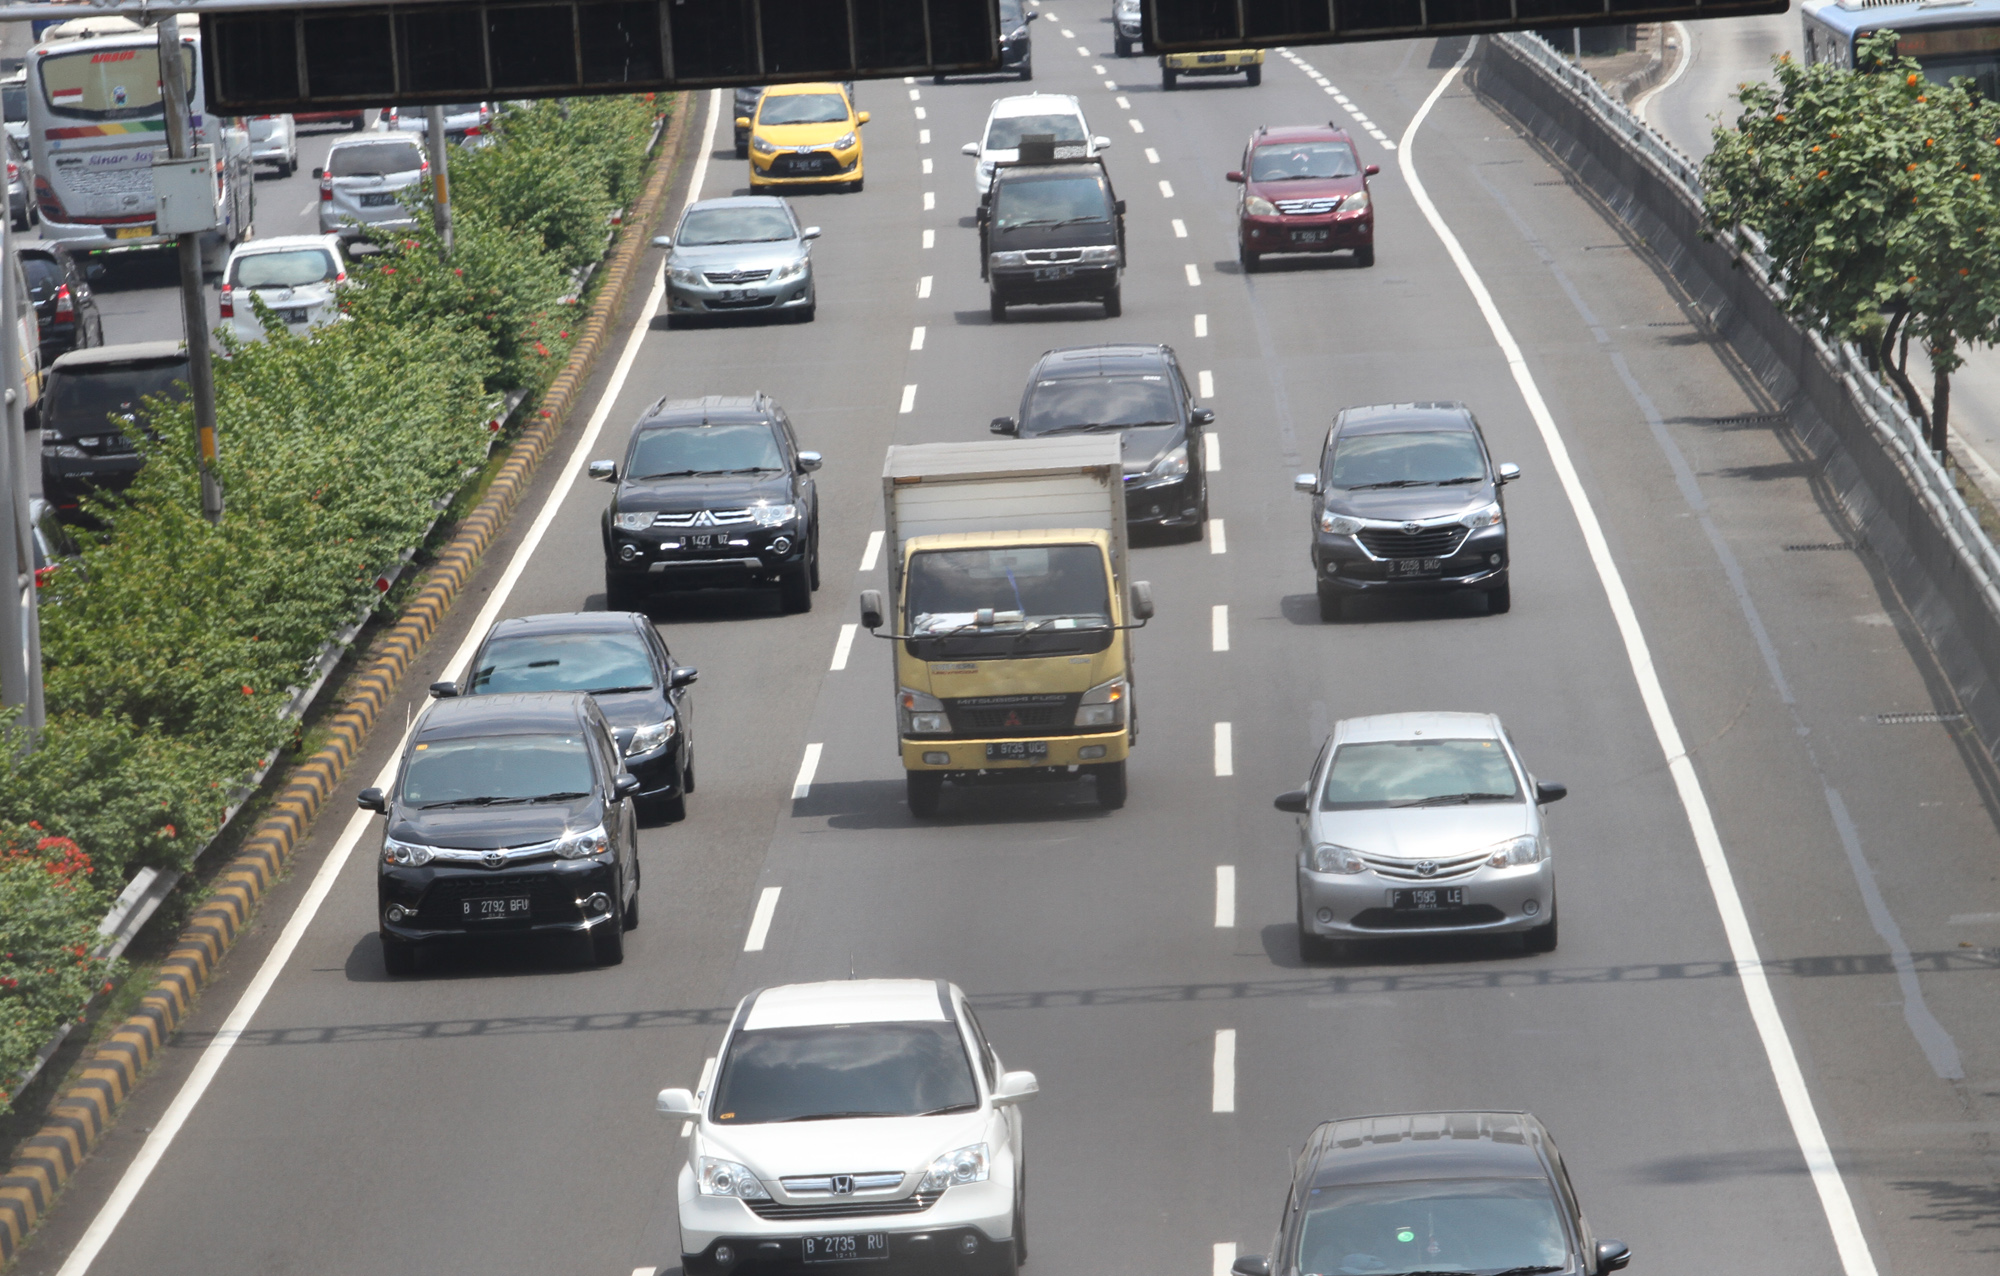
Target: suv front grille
(986, 715)
(1425, 542)
(1308, 207)
(822, 1184)
(914, 1204)
(705, 518)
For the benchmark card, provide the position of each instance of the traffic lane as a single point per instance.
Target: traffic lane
(1723, 53)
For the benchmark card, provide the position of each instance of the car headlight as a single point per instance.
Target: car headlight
(1338, 524)
(583, 844)
(921, 714)
(685, 275)
(63, 450)
(648, 738)
(773, 515)
(1100, 253)
(726, 1178)
(1487, 515)
(1525, 849)
(1010, 259)
(1355, 203)
(1104, 704)
(1328, 858)
(790, 270)
(1258, 206)
(405, 854)
(967, 1165)
(844, 141)
(762, 147)
(638, 521)
(1173, 465)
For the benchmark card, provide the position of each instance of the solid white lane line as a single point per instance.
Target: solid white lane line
(909, 399)
(203, 1075)
(1206, 380)
(1225, 896)
(1166, 190)
(873, 552)
(1842, 1220)
(1216, 543)
(1218, 627)
(923, 287)
(1201, 325)
(760, 921)
(1136, 126)
(1225, 1258)
(1180, 229)
(930, 200)
(1193, 276)
(802, 784)
(930, 238)
(1644, 101)
(916, 333)
(1225, 750)
(927, 159)
(1223, 1093)
(923, 137)
(1211, 454)
(1124, 104)
(843, 647)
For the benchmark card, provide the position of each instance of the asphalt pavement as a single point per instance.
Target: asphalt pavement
(494, 1113)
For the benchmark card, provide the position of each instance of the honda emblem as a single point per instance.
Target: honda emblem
(843, 1185)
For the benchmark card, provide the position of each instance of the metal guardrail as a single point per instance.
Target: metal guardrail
(1879, 406)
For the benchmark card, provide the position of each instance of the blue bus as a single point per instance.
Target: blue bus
(1948, 38)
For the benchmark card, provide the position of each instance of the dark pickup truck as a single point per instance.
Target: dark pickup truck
(1051, 231)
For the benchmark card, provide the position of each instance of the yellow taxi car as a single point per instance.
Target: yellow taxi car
(1247, 62)
(805, 135)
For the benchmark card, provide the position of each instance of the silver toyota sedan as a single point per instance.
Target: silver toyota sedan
(1423, 824)
(745, 254)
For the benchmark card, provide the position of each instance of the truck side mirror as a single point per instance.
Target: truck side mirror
(871, 609)
(1293, 800)
(372, 800)
(1004, 425)
(1142, 599)
(1307, 483)
(604, 471)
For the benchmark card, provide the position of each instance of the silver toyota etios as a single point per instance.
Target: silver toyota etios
(1423, 824)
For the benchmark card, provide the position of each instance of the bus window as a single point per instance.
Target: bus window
(108, 84)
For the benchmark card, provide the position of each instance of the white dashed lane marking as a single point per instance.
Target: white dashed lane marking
(1211, 454)
(1217, 542)
(842, 647)
(924, 136)
(923, 287)
(767, 903)
(916, 333)
(914, 95)
(1136, 126)
(922, 114)
(1225, 1258)
(1207, 381)
(1225, 896)
(909, 399)
(1152, 156)
(1193, 276)
(1218, 627)
(930, 200)
(1124, 104)
(1201, 325)
(1225, 750)
(1180, 229)
(1166, 190)
(927, 159)
(873, 552)
(930, 238)
(1224, 1094)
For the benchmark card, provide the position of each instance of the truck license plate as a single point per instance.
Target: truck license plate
(1016, 750)
(1055, 272)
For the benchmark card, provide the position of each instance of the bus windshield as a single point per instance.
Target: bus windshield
(1946, 53)
(108, 84)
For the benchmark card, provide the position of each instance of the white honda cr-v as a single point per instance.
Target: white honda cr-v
(846, 1122)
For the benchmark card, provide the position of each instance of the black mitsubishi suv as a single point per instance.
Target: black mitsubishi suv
(712, 492)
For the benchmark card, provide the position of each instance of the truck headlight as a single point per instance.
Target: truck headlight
(1104, 704)
(584, 843)
(1009, 259)
(1338, 524)
(967, 1165)
(648, 738)
(1100, 253)
(1487, 515)
(1516, 851)
(726, 1178)
(921, 713)
(635, 522)
(1328, 858)
(405, 854)
(773, 515)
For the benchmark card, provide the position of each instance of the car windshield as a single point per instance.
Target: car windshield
(1383, 773)
(1303, 159)
(1006, 131)
(44, 274)
(1051, 201)
(1416, 458)
(803, 108)
(82, 398)
(564, 662)
(290, 268)
(1073, 405)
(1043, 599)
(842, 1070)
(1454, 1225)
(508, 768)
(374, 159)
(14, 102)
(734, 226)
(680, 450)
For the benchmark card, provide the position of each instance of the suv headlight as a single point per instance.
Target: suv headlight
(584, 844)
(762, 147)
(1104, 704)
(1515, 851)
(921, 714)
(1328, 858)
(1355, 203)
(1258, 206)
(635, 522)
(1487, 515)
(405, 854)
(773, 515)
(726, 1178)
(1173, 465)
(967, 1165)
(1338, 524)
(1100, 253)
(843, 142)
(648, 738)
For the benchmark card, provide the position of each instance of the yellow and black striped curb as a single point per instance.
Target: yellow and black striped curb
(81, 1115)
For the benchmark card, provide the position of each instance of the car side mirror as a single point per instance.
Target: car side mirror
(1373, 170)
(1547, 791)
(1142, 599)
(1004, 425)
(372, 800)
(676, 1103)
(1251, 1265)
(682, 676)
(1013, 1087)
(1100, 143)
(318, 173)
(443, 690)
(663, 241)
(1204, 416)
(1031, 17)
(1234, 175)
(1307, 483)
(1509, 472)
(742, 121)
(810, 461)
(626, 784)
(1613, 1255)
(970, 148)
(1118, 207)
(861, 118)
(871, 609)
(810, 232)
(604, 471)
(1293, 800)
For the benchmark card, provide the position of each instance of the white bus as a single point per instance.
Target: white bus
(95, 124)
(1948, 38)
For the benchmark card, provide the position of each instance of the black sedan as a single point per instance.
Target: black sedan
(1407, 499)
(510, 816)
(65, 308)
(1138, 393)
(1483, 1192)
(620, 660)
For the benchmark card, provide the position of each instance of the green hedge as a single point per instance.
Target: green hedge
(170, 652)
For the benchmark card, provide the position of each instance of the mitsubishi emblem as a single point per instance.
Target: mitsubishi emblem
(702, 518)
(843, 1184)
(1427, 868)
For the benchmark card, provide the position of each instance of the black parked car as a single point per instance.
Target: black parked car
(511, 816)
(617, 657)
(1434, 1192)
(1051, 231)
(1017, 49)
(712, 492)
(1138, 393)
(65, 310)
(93, 415)
(1407, 498)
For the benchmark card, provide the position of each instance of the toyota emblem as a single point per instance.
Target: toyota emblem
(1412, 528)
(843, 1184)
(1427, 868)
(493, 859)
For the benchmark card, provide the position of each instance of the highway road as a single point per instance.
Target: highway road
(494, 1114)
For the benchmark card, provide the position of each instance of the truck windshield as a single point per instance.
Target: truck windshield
(1051, 201)
(1029, 600)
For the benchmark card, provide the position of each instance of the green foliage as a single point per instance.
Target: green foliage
(52, 900)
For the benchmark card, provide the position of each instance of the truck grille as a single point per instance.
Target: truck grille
(1425, 542)
(1004, 715)
(914, 1204)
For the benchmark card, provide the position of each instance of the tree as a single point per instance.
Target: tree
(1872, 191)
